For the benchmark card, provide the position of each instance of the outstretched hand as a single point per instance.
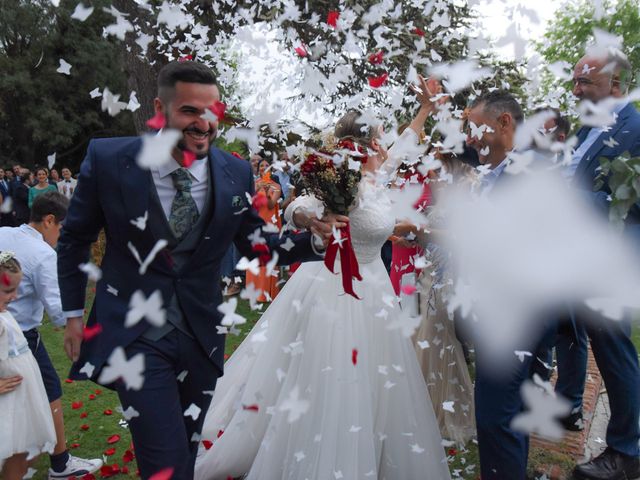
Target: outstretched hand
(426, 90)
(324, 227)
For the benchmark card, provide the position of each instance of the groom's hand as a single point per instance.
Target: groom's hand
(324, 227)
(73, 337)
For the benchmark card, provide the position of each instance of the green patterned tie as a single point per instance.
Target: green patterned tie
(184, 211)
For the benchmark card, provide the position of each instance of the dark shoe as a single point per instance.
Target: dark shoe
(573, 422)
(609, 465)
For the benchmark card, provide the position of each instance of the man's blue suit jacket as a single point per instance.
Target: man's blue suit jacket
(626, 133)
(112, 191)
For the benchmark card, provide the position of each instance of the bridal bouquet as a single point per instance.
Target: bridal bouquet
(332, 174)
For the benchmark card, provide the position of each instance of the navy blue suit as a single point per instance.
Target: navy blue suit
(112, 191)
(611, 343)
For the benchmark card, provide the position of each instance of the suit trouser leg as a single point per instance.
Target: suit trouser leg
(572, 356)
(503, 451)
(617, 360)
(161, 433)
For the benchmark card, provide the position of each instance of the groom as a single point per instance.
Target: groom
(199, 210)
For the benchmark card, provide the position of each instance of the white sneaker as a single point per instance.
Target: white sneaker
(76, 467)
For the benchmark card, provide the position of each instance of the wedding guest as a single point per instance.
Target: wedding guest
(200, 208)
(68, 184)
(27, 425)
(6, 218)
(597, 78)
(268, 192)
(20, 197)
(34, 246)
(41, 187)
(54, 177)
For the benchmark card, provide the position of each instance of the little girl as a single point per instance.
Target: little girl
(26, 425)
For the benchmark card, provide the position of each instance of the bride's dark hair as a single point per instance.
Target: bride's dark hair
(348, 127)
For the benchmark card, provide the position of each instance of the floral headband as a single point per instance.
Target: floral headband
(6, 256)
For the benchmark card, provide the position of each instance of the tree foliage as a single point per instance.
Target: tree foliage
(43, 111)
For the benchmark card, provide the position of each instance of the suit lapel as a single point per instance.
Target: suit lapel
(592, 155)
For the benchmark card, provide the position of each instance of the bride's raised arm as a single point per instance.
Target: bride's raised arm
(410, 138)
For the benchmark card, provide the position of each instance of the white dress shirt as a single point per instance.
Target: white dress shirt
(163, 182)
(39, 288)
(67, 187)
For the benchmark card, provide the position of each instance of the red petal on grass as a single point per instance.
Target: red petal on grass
(108, 412)
(74, 445)
(84, 427)
(84, 415)
(76, 405)
(113, 439)
(68, 380)
(157, 122)
(109, 451)
(92, 396)
(128, 456)
(418, 32)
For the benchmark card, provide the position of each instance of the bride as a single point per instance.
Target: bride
(327, 386)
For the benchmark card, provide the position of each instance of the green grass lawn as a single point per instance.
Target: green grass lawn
(92, 419)
(90, 414)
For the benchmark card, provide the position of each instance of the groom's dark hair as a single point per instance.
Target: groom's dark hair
(187, 71)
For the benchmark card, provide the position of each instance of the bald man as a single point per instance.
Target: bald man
(596, 78)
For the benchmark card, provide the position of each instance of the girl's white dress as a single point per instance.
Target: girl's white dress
(326, 386)
(26, 424)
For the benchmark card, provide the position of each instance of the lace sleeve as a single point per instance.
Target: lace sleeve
(406, 143)
(308, 204)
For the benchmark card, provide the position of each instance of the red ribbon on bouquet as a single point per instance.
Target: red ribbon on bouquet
(348, 260)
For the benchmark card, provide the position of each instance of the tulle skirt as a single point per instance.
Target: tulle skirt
(26, 424)
(324, 387)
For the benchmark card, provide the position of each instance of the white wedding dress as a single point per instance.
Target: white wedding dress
(327, 386)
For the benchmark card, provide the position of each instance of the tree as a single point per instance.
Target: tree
(42, 111)
(572, 30)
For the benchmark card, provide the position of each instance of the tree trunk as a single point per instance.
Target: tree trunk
(140, 72)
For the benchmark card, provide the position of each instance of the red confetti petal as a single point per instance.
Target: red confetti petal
(237, 155)
(253, 408)
(108, 412)
(377, 82)
(301, 51)
(68, 380)
(164, 474)
(408, 289)
(92, 396)
(84, 427)
(113, 439)
(185, 58)
(226, 356)
(89, 476)
(332, 18)
(376, 58)
(128, 456)
(76, 405)
(74, 445)
(220, 432)
(354, 356)
(259, 200)
(218, 109)
(84, 415)
(452, 452)
(97, 391)
(124, 470)
(5, 279)
(109, 451)
(88, 333)
(207, 444)
(418, 32)
(157, 122)
(188, 157)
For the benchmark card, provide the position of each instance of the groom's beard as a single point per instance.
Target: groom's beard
(212, 133)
